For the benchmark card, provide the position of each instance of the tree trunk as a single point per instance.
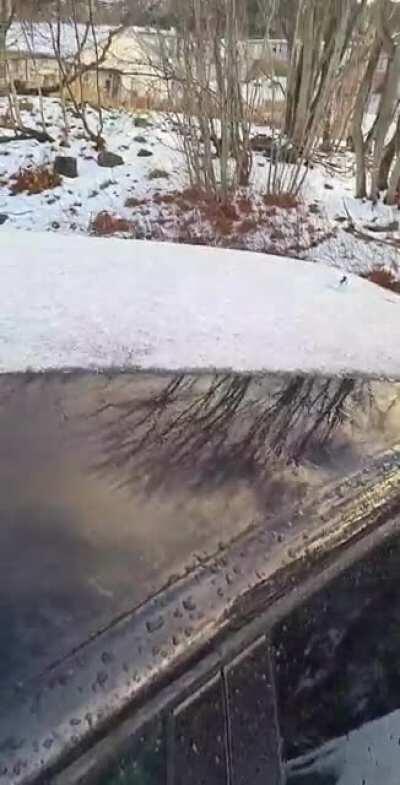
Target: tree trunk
(389, 99)
(293, 83)
(393, 181)
(393, 187)
(387, 161)
(357, 130)
(323, 36)
(304, 95)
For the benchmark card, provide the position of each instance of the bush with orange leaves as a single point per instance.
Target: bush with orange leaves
(34, 180)
(285, 201)
(385, 278)
(105, 224)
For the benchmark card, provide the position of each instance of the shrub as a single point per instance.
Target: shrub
(280, 67)
(34, 180)
(132, 201)
(105, 224)
(25, 105)
(286, 201)
(270, 113)
(384, 278)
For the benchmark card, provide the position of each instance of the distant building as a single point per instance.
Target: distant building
(131, 72)
(5, 17)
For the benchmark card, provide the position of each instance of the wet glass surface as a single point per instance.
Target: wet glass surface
(338, 678)
(143, 764)
(199, 750)
(112, 487)
(254, 738)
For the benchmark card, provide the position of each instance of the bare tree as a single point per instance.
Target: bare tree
(83, 35)
(215, 102)
(377, 146)
(204, 82)
(321, 45)
(241, 422)
(361, 105)
(389, 96)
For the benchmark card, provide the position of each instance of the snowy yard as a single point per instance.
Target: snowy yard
(149, 192)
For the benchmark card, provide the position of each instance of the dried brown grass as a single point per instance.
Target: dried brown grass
(384, 278)
(34, 180)
(105, 224)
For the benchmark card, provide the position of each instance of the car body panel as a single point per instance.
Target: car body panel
(169, 578)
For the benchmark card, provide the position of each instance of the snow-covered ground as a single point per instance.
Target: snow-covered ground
(367, 756)
(146, 189)
(70, 207)
(76, 302)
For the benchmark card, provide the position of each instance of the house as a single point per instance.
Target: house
(130, 69)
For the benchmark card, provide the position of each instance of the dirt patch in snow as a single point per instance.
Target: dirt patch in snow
(280, 224)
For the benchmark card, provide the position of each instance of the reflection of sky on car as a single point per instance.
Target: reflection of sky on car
(369, 755)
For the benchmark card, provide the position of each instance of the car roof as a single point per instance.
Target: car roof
(110, 584)
(89, 303)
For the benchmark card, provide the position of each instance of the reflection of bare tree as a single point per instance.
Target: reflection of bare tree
(225, 425)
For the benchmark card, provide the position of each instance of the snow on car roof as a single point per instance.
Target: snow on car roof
(89, 303)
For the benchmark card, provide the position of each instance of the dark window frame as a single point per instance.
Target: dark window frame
(85, 768)
(89, 767)
(215, 681)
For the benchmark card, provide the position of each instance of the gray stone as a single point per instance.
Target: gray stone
(262, 143)
(158, 174)
(143, 153)
(109, 160)
(392, 226)
(142, 122)
(140, 139)
(66, 165)
(3, 218)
